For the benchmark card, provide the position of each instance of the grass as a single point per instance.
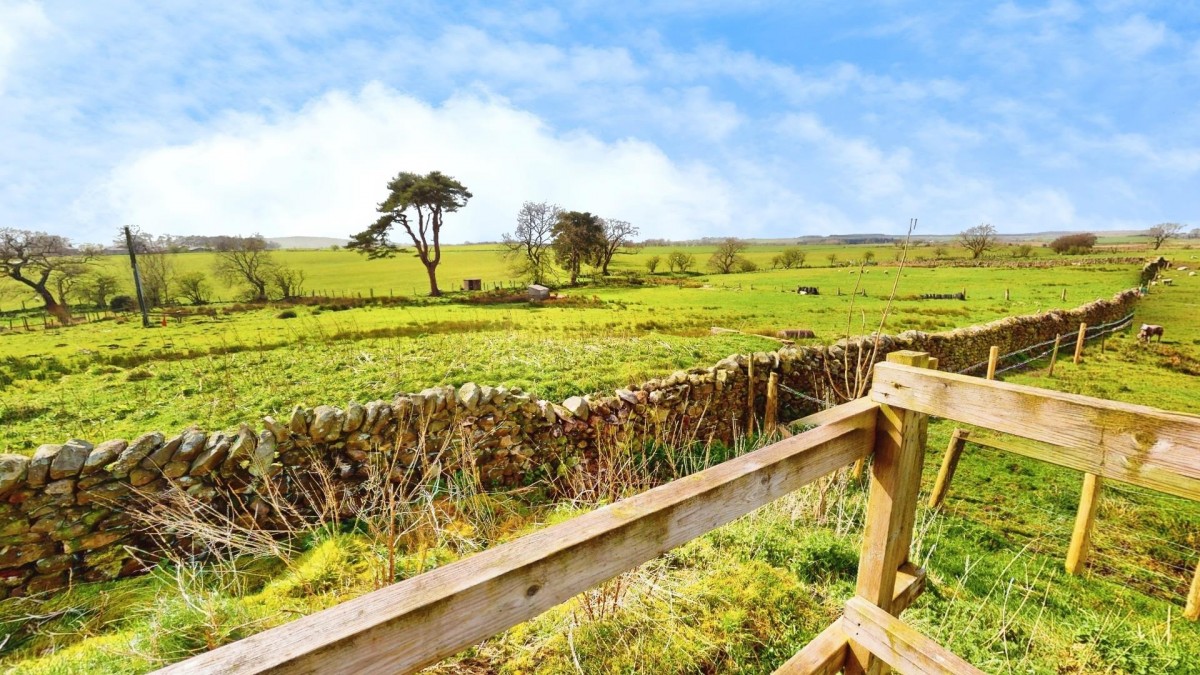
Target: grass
(114, 378)
(740, 599)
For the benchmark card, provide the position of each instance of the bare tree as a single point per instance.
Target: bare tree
(194, 288)
(978, 239)
(678, 260)
(37, 260)
(158, 273)
(1162, 232)
(246, 260)
(616, 234)
(529, 248)
(289, 281)
(727, 255)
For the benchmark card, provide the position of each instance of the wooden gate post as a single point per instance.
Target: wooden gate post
(1081, 536)
(891, 507)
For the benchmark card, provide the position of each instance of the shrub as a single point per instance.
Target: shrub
(286, 314)
(1074, 244)
(122, 303)
(745, 265)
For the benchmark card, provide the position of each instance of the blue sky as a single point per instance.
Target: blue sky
(687, 117)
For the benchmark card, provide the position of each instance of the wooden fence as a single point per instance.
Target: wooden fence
(419, 621)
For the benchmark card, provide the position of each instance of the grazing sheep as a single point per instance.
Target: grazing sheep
(1148, 331)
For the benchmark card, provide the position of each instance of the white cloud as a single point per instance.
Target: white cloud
(322, 170)
(19, 20)
(1133, 38)
(872, 171)
(1059, 10)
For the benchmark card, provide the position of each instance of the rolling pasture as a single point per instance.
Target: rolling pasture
(746, 596)
(232, 363)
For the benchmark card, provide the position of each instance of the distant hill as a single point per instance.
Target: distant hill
(307, 242)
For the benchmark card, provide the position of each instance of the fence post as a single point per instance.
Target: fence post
(771, 416)
(1064, 295)
(1079, 343)
(1081, 536)
(1192, 611)
(750, 393)
(993, 359)
(891, 507)
(1054, 356)
(958, 441)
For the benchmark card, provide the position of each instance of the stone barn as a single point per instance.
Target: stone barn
(472, 284)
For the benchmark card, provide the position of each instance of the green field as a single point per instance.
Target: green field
(746, 596)
(229, 364)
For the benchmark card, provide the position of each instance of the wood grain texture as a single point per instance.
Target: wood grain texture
(1134, 444)
(898, 644)
(824, 655)
(424, 619)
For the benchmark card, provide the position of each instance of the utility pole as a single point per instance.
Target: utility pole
(137, 277)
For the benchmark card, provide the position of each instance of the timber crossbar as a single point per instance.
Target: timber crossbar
(422, 620)
(1135, 444)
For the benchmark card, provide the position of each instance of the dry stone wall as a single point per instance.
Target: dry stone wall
(77, 512)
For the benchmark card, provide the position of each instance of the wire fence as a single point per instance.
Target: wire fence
(1091, 333)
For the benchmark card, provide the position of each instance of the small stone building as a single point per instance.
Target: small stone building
(472, 284)
(538, 292)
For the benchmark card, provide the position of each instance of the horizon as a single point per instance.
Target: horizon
(688, 119)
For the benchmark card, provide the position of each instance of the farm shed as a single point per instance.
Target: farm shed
(538, 292)
(472, 284)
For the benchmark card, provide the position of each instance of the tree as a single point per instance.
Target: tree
(978, 239)
(678, 260)
(1022, 251)
(868, 256)
(96, 288)
(616, 234)
(1162, 232)
(832, 258)
(530, 247)
(1074, 244)
(158, 273)
(652, 263)
(37, 259)
(194, 288)
(791, 257)
(940, 252)
(430, 197)
(578, 237)
(246, 260)
(727, 255)
(289, 281)
(1195, 233)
